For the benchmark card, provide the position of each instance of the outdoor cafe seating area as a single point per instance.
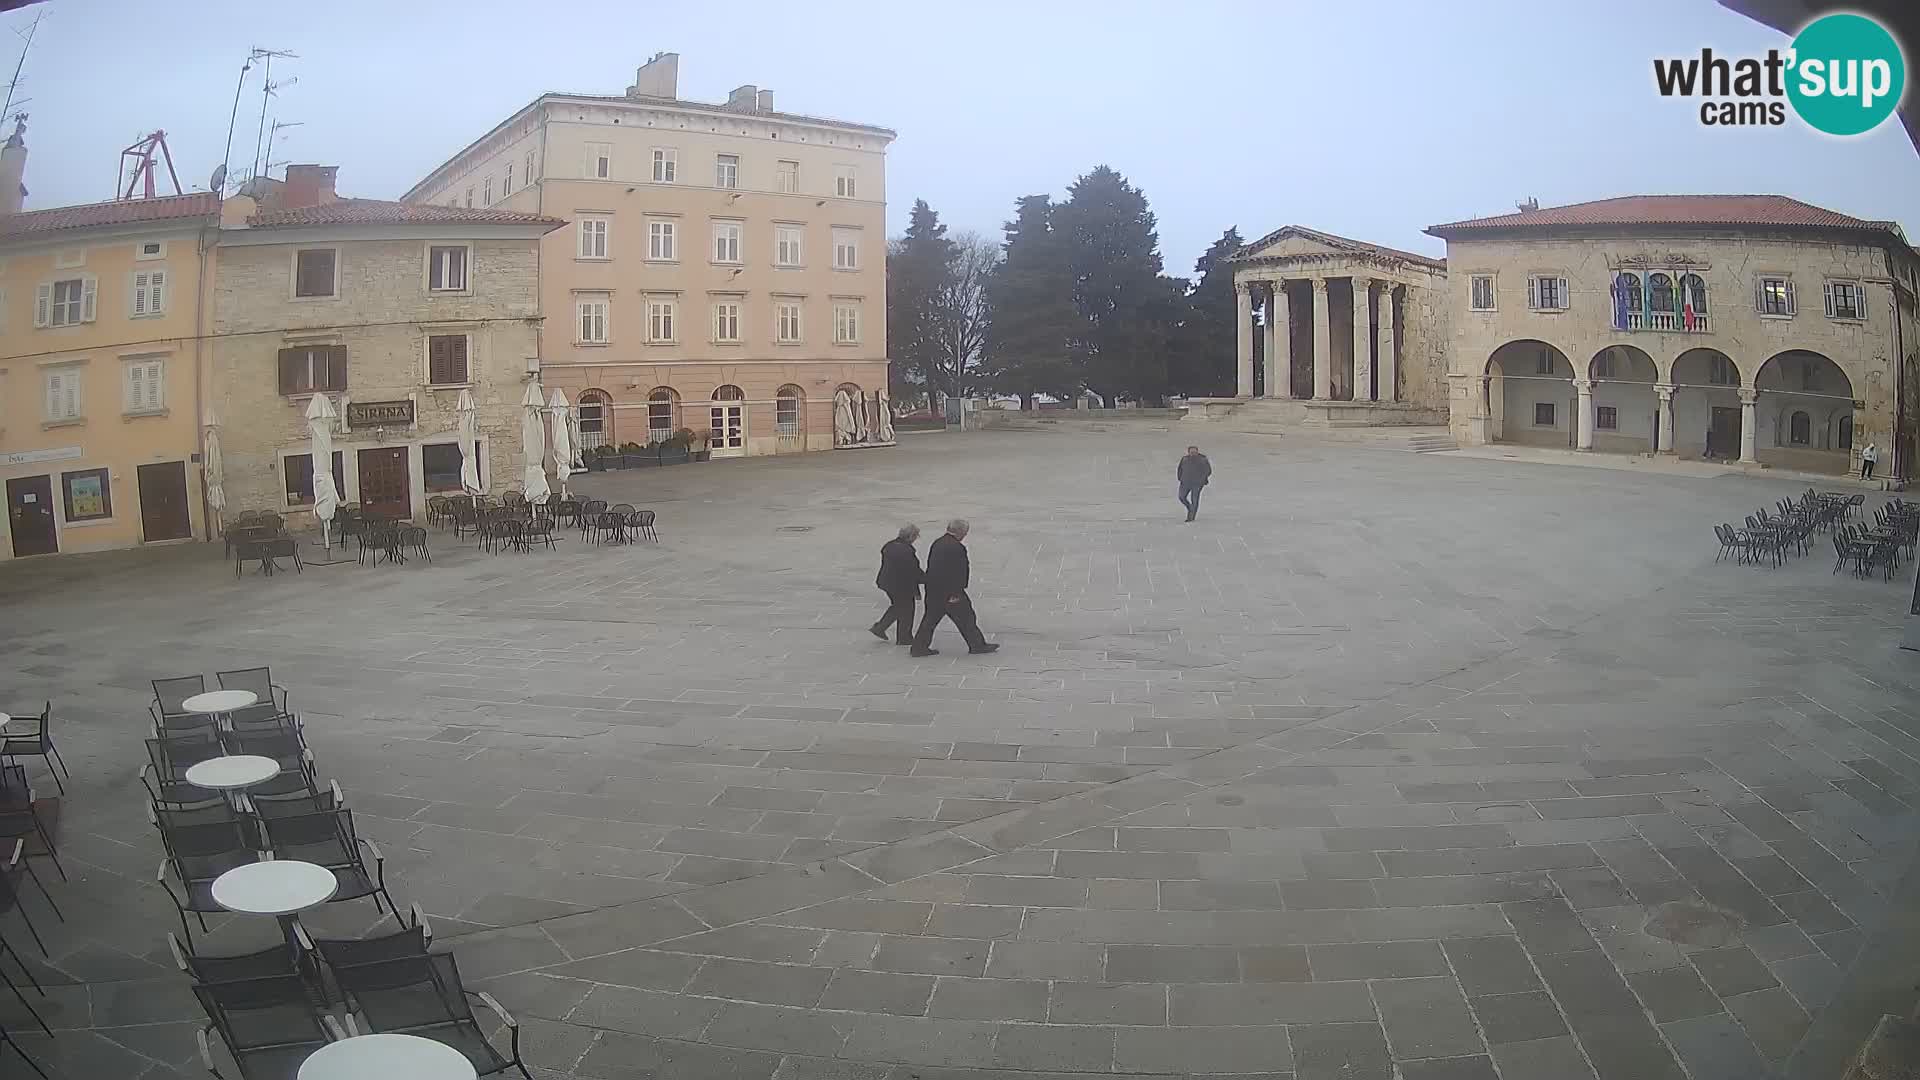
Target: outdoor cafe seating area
(512, 523)
(1882, 542)
(27, 826)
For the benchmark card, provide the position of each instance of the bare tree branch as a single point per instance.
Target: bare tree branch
(961, 315)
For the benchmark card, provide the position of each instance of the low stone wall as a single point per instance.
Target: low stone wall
(991, 418)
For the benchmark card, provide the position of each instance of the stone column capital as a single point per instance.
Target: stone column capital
(1319, 285)
(1585, 386)
(1749, 397)
(1663, 391)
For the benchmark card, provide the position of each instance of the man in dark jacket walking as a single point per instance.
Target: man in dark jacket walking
(900, 577)
(1194, 472)
(947, 574)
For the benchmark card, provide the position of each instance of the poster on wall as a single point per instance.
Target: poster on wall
(89, 496)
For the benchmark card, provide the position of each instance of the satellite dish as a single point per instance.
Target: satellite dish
(219, 180)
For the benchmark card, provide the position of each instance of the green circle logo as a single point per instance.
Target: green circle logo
(1847, 74)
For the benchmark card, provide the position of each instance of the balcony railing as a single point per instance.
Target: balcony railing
(1666, 322)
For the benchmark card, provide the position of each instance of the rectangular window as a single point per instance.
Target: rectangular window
(313, 272)
(1482, 293)
(149, 293)
(846, 249)
(592, 313)
(726, 321)
(313, 369)
(506, 182)
(298, 470)
(786, 177)
(1606, 418)
(659, 417)
(469, 198)
(786, 415)
(660, 243)
(1543, 363)
(1603, 366)
(440, 465)
(599, 165)
(726, 241)
(146, 382)
(1774, 296)
(660, 319)
(88, 495)
(843, 181)
(486, 192)
(666, 165)
(1546, 293)
(529, 172)
(63, 394)
(786, 245)
(447, 268)
(447, 359)
(68, 302)
(1845, 300)
(593, 238)
(726, 171)
(151, 249)
(846, 324)
(1543, 414)
(1720, 372)
(593, 423)
(786, 322)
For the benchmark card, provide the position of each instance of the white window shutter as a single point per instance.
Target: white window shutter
(1566, 299)
(1533, 292)
(43, 305)
(87, 295)
(1790, 308)
(1828, 289)
(55, 395)
(157, 291)
(139, 294)
(155, 371)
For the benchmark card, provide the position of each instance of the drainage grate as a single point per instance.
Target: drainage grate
(794, 528)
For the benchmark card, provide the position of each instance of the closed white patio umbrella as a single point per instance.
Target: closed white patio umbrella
(565, 445)
(533, 444)
(216, 476)
(469, 436)
(320, 418)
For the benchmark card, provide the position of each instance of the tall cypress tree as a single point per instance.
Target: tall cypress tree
(918, 264)
(1030, 340)
(1204, 352)
(1128, 306)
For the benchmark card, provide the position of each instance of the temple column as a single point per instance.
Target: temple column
(1663, 407)
(1748, 399)
(1389, 365)
(1243, 311)
(1362, 339)
(1322, 330)
(1583, 415)
(1279, 343)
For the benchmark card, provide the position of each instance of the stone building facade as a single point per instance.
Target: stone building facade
(1750, 328)
(725, 266)
(391, 310)
(1355, 332)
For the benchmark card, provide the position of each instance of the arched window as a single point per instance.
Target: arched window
(729, 392)
(660, 411)
(1800, 428)
(596, 419)
(788, 407)
(1630, 285)
(1693, 291)
(1846, 433)
(1660, 294)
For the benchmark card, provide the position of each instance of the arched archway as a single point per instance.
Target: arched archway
(727, 422)
(790, 419)
(594, 407)
(1802, 397)
(1707, 416)
(663, 414)
(1530, 396)
(1625, 410)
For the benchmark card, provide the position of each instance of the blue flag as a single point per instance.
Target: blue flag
(1619, 302)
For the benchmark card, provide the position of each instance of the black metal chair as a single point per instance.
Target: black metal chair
(640, 523)
(538, 531)
(276, 960)
(20, 820)
(328, 839)
(37, 741)
(170, 695)
(268, 1024)
(424, 996)
(199, 849)
(589, 517)
(11, 874)
(172, 756)
(6, 950)
(297, 802)
(403, 942)
(259, 680)
(414, 538)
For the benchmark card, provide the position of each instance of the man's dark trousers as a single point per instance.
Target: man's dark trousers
(1190, 498)
(959, 608)
(899, 616)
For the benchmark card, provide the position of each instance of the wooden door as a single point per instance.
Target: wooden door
(727, 437)
(163, 502)
(30, 515)
(1724, 434)
(385, 486)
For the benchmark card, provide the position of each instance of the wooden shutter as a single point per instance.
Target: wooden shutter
(292, 362)
(43, 304)
(447, 359)
(1533, 292)
(139, 294)
(1790, 307)
(88, 291)
(1828, 289)
(336, 367)
(56, 390)
(1565, 300)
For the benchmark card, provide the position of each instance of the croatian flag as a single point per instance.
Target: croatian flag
(1686, 317)
(1619, 303)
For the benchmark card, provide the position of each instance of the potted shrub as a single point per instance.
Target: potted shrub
(632, 455)
(673, 448)
(696, 444)
(595, 459)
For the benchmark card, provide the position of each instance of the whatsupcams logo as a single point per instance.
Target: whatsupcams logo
(1844, 74)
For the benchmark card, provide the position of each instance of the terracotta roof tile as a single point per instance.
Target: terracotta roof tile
(118, 212)
(384, 212)
(1737, 210)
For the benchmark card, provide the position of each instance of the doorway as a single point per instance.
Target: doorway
(163, 502)
(1723, 433)
(30, 515)
(385, 485)
(728, 437)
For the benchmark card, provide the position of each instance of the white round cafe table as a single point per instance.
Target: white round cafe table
(283, 887)
(219, 701)
(4, 720)
(232, 772)
(376, 1057)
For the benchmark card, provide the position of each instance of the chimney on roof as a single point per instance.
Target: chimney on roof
(13, 167)
(764, 101)
(745, 98)
(659, 77)
(1527, 205)
(308, 185)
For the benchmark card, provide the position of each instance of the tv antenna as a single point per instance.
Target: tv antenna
(141, 155)
(13, 84)
(256, 55)
(267, 89)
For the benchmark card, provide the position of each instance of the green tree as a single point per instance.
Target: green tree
(1204, 357)
(1030, 339)
(1128, 307)
(918, 266)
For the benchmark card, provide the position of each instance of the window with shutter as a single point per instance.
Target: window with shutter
(1533, 292)
(43, 305)
(88, 292)
(446, 268)
(313, 272)
(150, 292)
(313, 369)
(447, 359)
(63, 395)
(1560, 289)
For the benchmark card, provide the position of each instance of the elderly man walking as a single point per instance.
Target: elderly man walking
(947, 574)
(1193, 473)
(900, 577)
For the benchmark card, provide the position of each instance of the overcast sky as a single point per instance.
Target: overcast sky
(1371, 119)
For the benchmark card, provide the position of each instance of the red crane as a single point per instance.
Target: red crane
(141, 154)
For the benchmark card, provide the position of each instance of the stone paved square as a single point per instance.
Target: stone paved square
(1390, 762)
